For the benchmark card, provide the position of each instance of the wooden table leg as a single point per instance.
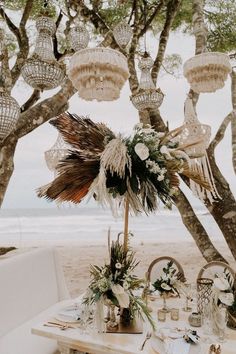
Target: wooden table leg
(64, 349)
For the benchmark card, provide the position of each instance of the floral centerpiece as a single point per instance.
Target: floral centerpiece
(167, 284)
(142, 168)
(114, 285)
(222, 298)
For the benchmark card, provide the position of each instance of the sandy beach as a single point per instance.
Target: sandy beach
(76, 260)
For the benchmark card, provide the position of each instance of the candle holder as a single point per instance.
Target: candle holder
(174, 314)
(161, 315)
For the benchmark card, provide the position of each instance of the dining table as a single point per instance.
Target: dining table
(73, 339)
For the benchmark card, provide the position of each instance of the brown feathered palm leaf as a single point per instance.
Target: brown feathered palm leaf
(75, 176)
(82, 133)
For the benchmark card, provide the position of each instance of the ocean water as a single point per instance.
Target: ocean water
(89, 226)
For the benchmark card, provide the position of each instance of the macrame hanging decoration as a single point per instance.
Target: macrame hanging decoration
(148, 96)
(9, 108)
(79, 37)
(57, 152)
(42, 71)
(207, 72)
(122, 33)
(98, 73)
(193, 131)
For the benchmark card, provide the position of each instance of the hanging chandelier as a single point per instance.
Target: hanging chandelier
(196, 137)
(122, 33)
(42, 71)
(9, 108)
(9, 113)
(148, 97)
(56, 153)
(79, 37)
(98, 73)
(207, 72)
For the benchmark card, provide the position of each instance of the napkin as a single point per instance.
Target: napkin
(176, 346)
(70, 314)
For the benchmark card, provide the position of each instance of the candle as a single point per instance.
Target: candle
(174, 314)
(161, 315)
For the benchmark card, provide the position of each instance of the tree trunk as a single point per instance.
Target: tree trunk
(223, 210)
(6, 166)
(233, 120)
(196, 229)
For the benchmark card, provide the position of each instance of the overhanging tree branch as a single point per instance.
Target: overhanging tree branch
(171, 11)
(31, 101)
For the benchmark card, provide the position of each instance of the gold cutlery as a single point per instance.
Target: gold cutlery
(148, 336)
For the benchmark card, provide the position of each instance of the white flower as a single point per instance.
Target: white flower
(121, 295)
(165, 286)
(160, 178)
(118, 265)
(103, 285)
(160, 135)
(226, 298)
(221, 283)
(142, 151)
(126, 285)
(148, 130)
(173, 191)
(165, 151)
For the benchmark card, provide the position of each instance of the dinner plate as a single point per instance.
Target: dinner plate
(159, 348)
(69, 314)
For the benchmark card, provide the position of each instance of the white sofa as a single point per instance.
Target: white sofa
(29, 283)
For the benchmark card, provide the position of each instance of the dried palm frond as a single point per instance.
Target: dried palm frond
(195, 176)
(82, 133)
(75, 177)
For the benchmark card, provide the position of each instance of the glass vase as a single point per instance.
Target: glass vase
(220, 316)
(165, 308)
(112, 323)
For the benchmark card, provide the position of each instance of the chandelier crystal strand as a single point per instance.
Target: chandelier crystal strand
(148, 97)
(98, 73)
(56, 153)
(42, 71)
(9, 108)
(122, 33)
(79, 37)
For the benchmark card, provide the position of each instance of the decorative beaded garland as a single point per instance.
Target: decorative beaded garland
(56, 153)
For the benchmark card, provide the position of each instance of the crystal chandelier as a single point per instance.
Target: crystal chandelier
(42, 71)
(207, 72)
(79, 37)
(148, 96)
(122, 34)
(98, 73)
(57, 152)
(9, 108)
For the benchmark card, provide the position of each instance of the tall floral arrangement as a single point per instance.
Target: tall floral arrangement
(114, 282)
(142, 168)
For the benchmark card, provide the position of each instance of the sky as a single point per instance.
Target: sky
(31, 171)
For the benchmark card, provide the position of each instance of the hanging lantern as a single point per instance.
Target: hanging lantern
(9, 108)
(148, 96)
(122, 34)
(42, 71)
(9, 113)
(79, 38)
(207, 72)
(193, 131)
(98, 73)
(57, 152)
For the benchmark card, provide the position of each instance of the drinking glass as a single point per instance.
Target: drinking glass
(188, 293)
(86, 318)
(221, 324)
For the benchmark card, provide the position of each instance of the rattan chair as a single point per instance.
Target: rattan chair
(210, 269)
(155, 269)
